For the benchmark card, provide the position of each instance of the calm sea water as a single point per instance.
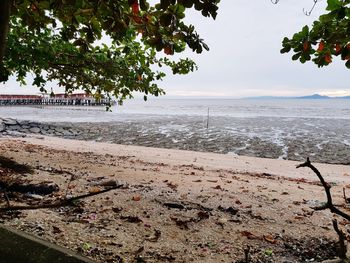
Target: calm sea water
(249, 108)
(283, 128)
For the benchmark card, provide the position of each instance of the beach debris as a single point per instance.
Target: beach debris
(222, 221)
(172, 185)
(270, 239)
(174, 205)
(256, 215)
(131, 219)
(247, 254)
(182, 223)
(203, 215)
(56, 230)
(38, 189)
(34, 196)
(139, 250)
(218, 187)
(136, 198)
(108, 183)
(231, 210)
(266, 174)
(212, 181)
(346, 199)
(249, 235)
(155, 236)
(72, 201)
(94, 190)
(238, 202)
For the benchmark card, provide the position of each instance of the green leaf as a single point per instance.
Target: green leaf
(70, 55)
(86, 246)
(296, 56)
(285, 49)
(187, 3)
(347, 64)
(165, 19)
(333, 4)
(164, 4)
(305, 31)
(269, 252)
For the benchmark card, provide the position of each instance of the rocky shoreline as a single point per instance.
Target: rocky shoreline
(19, 128)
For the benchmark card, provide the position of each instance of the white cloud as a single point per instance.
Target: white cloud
(335, 93)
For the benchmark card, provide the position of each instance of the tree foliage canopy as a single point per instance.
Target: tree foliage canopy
(61, 40)
(328, 37)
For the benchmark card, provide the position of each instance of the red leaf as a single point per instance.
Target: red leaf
(306, 46)
(135, 7)
(320, 46)
(137, 19)
(168, 51)
(328, 58)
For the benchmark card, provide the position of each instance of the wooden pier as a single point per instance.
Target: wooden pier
(79, 99)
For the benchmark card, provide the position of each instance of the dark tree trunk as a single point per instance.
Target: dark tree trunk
(5, 10)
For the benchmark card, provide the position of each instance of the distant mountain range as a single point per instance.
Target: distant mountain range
(310, 97)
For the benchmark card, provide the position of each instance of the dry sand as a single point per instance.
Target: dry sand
(177, 206)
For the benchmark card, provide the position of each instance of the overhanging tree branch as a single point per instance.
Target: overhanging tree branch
(5, 10)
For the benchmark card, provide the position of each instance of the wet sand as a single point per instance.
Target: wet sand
(325, 141)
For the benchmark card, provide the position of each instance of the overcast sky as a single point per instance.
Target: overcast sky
(244, 57)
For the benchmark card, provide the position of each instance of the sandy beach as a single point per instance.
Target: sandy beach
(175, 205)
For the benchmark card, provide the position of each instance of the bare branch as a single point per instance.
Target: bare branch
(341, 235)
(7, 199)
(59, 203)
(346, 199)
(308, 13)
(329, 205)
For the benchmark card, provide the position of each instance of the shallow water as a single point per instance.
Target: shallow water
(285, 129)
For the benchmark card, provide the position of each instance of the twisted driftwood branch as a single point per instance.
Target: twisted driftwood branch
(342, 238)
(327, 187)
(329, 205)
(59, 203)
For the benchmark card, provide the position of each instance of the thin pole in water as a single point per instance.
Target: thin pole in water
(208, 119)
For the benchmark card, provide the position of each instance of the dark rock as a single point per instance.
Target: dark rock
(9, 121)
(14, 127)
(2, 127)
